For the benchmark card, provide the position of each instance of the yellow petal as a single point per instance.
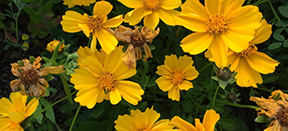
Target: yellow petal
(185, 85)
(213, 6)
(113, 61)
(190, 73)
(115, 96)
(262, 33)
(93, 43)
(235, 40)
(102, 8)
(135, 16)
(107, 41)
(262, 63)
(171, 61)
(18, 101)
(198, 125)
(196, 43)
(229, 5)
(71, 19)
(88, 98)
(245, 16)
(114, 22)
(130, 91)
(17, 117)
(183, 62)
(170, 4)
(31, 107)
(86, 30)
(247, 76)
(125, 122)
(233, 60)
(94, 66)
(210, 119)
(83, 77)
(164, 84)
(132, 3)
(168, 16)
(6, 107)
(151, 20)
(192, 22)
(182, 124)
(174, 93)
(219, 52)
(164, 70)
(162, 125)
(194, 6)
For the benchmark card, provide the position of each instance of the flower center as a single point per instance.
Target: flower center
(217, 24)
(246, 53)
(29, 77)
(177, 77)
(107, 82)
(137, 39)
(282, 116)
(94, 23)
(151, 4)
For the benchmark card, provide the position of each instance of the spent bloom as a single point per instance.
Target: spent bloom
(30, 80)
(137, 40)
(219, 25)
(97, 24)
(152, 11)
(53, 44)
(72, 3)
(275, 107)
(175, 74)
(14, 112)
(142, 121)
(99, 79)
(208, 124)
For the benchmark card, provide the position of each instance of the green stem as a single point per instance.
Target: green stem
(248, 2)
(214, 98)
(66, 88)
(16, 20)
(204, 67)
(274, 12)
(74, 119)
(238, 105)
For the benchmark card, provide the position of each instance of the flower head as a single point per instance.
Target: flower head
(30, 80)
(142, 121)
(152, 11)
(275, 109)
(53, 44)
(175, 74)
(14, 112)
(72, 3)
(103, 78)
(219, 25)
(97, 24)
(209, 121)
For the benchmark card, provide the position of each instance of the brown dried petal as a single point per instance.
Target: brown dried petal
(15, 84)
(15, 69)
(147, 52)
(51, 70)
(36, 63)
(129, 57)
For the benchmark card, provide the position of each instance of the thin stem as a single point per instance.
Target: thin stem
(273, 10)
(204, 67)
(16, 20)
(238, 105)
(214, 98)
(74, 119)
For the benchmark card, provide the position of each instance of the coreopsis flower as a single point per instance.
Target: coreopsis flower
(142, 121)
(175, 74)
(14, 112)
(151, 10)
(97, 24)
(249, 63)
(25, 37)
(208, 124)
(274, 109)
(30, 79)
(99, 79)
(53, 44)
(72, 3)
(137, 40)
(219, 25)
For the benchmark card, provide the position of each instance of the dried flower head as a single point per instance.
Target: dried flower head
(53, 44)
(30, 79)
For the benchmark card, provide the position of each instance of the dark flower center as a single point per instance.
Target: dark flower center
(29, 77)
(282, 116)
(137, 39)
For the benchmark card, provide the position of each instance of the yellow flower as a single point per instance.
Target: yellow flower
(53, 44)
(275, 109)
(99, 79)
(97, 24)
(175, 75)
(142, 121)
(209, 121)
(72, 3)
(219, 25)
(25, 37)
(14, 112)
(30, 77)
(151, 10)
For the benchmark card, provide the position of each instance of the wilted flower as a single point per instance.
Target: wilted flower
(30, 78)
(53, 44)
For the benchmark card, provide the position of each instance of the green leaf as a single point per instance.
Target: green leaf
(285, 43)
(49, 112)
(282, 24)
(283, 11)
(275, 45)
(6, 47)
(97, 111)
(39, 118)
(270, 79)
(49, 77)
(227, 124)
(277, 35)
(2, 25)
(262, 119)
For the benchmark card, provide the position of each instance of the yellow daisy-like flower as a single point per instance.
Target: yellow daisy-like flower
(175, 75)
(151, 10)
(72, 3)
(14, 112)
(209, 121)
(275, 109)
(219, 25)
(53, 44)
(30, 78)
(97, 24)
(142, 121)
(99, 79)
